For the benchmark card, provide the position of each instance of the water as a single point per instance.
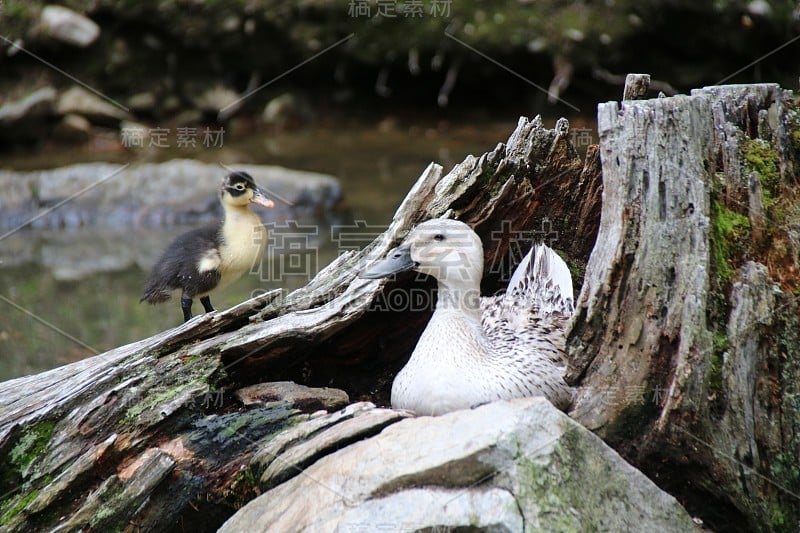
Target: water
(67, 295)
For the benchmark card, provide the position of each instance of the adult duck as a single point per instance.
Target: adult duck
(207, 259)
(476, 350)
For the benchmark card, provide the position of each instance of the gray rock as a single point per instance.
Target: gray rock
(67, 26)
(306, 399)
(506, 466)
(79, 101)
(218, 101)
(287, 110)
(17, 204)
(27, 119)
(142, 102)
(76, 255)
(178, 191)
(36, 105)
(189, 117)
(171, 104)
(759, 8)
(17, 250)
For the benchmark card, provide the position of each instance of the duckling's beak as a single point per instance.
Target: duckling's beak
(260, 199)
(398, 260)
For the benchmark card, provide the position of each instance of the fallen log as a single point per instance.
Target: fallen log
(155, 433)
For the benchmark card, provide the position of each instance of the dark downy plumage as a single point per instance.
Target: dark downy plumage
(206, 259)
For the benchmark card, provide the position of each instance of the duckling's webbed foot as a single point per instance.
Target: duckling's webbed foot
(206, 301)
(186, 306)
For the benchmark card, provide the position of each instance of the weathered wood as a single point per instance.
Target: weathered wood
(636, 86)
(685, 340)
(152, 429)
(305, 398)
(301, 456)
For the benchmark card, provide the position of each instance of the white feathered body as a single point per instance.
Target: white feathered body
(512, 347)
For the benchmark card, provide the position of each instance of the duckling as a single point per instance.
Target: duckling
(476, 350)
(207, 259)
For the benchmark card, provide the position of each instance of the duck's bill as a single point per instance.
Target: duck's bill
(260, 199)
(398, 260)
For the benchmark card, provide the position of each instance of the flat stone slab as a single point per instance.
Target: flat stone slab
(520, 465)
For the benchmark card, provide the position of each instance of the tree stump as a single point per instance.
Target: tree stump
(686, 336)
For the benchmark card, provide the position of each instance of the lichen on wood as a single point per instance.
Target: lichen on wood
(154, 433)
(675, 343)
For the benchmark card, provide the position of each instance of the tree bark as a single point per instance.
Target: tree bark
(685, 338)
(158, 433)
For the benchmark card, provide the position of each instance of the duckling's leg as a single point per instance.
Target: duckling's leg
(206, 301)
(186, 306)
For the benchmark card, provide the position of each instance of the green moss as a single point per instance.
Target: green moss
(794, 129)
(549, 484)
(721, 345)
(761, 158)
(237, 425)
(786, 470)
(157, 397)
(31, 445)
(21, 504)
(103, 514)
(776, 519)
(729, 238)
(577, 270)
(542, 488)
(186, 374)
(243, 488)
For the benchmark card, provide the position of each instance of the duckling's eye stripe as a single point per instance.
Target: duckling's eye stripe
(235, 191)
(267, 190)
(438, 237)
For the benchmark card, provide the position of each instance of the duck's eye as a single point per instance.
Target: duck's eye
(239, 186)
(438, 237)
